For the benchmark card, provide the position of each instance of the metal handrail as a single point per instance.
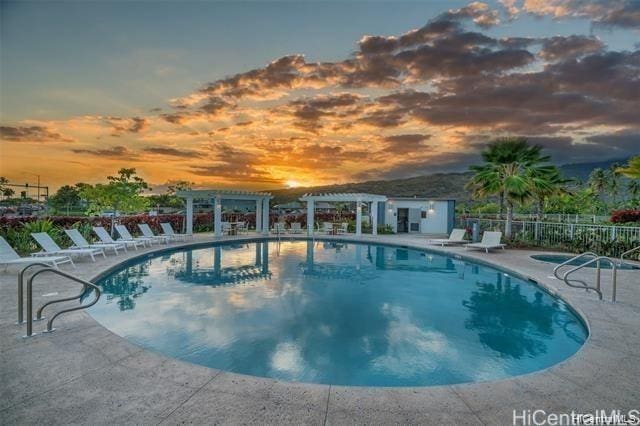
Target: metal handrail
(556, 270)
(50, 328)
(597, 260)
(628, 252)
(21, 288)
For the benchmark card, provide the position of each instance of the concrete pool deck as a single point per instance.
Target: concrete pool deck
(83, 373)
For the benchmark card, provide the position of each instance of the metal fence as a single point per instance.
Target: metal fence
(550, 217)
(605, 239)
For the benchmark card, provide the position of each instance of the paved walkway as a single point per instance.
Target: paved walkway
(84, 374)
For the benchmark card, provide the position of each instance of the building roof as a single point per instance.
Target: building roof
(224, 193)
(343, 196)
(419, 199)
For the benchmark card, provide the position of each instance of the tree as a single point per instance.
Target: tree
(509, 167)
(121, 194)
(4, 190)
(65, 197)
(613, 179)
(598, 181)
(634, 189)
(545, 182)
(632, 170)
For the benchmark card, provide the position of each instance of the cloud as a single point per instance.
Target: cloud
(116, 152)
(556, 48)
(478, 12)
(31, 134)
(618, 13)
(173, 152)
(405, 143)
(127, 125)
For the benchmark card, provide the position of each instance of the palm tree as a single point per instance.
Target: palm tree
(632, 170)
(634, 189)
(546, 181)
(598, 181)
(510, 165)
(613, 182)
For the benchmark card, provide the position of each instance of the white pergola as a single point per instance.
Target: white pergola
(217, 195)
(346, 197)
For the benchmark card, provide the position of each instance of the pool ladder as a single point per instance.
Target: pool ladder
(47, 268)
(577, 283)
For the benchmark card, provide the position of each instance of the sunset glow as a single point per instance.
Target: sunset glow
(413, 92)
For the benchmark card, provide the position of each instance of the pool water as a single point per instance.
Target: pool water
(560, 258)
(338, 313)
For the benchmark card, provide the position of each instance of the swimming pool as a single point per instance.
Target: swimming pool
(560, 258)
(338, 313)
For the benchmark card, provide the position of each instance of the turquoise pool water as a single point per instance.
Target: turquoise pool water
(338, 313)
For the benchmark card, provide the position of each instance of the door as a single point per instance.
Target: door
(403, 220)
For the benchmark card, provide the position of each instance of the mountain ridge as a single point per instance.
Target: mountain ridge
(437, 185)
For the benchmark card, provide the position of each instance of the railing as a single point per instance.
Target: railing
(549, 217)
(555, 234)
(598, 260)
(628, 252)
(556, 270)
(47, 268)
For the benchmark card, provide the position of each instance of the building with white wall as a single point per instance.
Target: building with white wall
(418, 215)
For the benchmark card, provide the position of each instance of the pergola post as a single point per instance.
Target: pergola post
(258, 215)
(265, 216)
(189, 216)
(358, 218)
(374, 217)
(217, 219)
(311, 212)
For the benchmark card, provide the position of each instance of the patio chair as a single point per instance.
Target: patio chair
(226, 227)
(50, 247)
(327, 227)
(344, 228)
(126, 235)
(279, 227)
(456, 237)
(80, 242)
(105, 238)
(148, 233)
(169, 232)
(295, 228)
(242, 227)
(8, 256)
(490, 240)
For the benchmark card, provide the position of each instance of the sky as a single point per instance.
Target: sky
(263, 95)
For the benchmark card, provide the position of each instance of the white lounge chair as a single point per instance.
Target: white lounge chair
(80, 242)
(225, 227)
(490, 240)
(168, 231)
(51, 248)
(148, 233)
(105, 238)
(8, 256)
(295, 228)
(456, 237)
(125, 235)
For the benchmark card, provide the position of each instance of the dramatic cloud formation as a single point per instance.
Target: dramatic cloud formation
(30, 134)
(420, 102)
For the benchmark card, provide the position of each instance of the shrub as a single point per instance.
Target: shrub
(626, 216)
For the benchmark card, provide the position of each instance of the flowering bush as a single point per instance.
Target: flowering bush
(625, 216)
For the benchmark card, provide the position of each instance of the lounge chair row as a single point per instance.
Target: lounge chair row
(54, 255)
(490, 240)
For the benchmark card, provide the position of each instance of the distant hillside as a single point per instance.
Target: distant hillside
(440, 185)
(581, 171)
